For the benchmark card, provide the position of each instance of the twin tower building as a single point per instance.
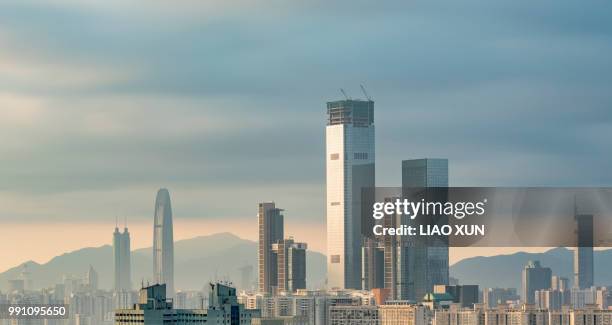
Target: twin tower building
(409, 272)
(163, 248)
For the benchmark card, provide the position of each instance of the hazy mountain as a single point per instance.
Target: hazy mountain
(505, 270)
(197, 261)
(220, 256)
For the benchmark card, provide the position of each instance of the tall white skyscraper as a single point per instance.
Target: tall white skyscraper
(163, 242)
(349, 137)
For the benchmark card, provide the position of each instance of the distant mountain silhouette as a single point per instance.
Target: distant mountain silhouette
(197, 261)
(219, 256)
(505, 270)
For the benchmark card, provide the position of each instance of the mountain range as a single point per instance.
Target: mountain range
(505, 271)
(197, 261)
(220, 256)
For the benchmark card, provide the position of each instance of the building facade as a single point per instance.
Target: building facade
(271, 230)
(349, 137)
(163, 242)
(583, 253)
(122, 261)
(291, 265)
(422, 265)
(154, 308)
(534, 277)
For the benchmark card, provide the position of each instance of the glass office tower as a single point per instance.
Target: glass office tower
(425, 264)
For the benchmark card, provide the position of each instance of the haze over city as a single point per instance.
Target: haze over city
(225, 106)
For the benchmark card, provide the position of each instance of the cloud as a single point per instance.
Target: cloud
(226, 103)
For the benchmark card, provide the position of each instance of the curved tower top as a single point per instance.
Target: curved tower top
(163, 242)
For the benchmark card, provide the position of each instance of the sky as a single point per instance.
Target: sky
(223, 103)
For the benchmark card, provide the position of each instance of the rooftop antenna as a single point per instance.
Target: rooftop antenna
(345, 95)
(116, 221)
(575, 206)
(365, 93)
(125, 222)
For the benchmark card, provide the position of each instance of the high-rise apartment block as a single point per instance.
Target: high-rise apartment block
(271, 230)
(291, 265)
(282, 262)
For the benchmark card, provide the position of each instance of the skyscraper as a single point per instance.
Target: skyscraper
(535, 277)
(291, 265)
(583, 254)
(349, 137)
(163, 242)
(466, 295)
(122, 260)
(91, 278)
(423, 265)
(246, 277)
(271, 230)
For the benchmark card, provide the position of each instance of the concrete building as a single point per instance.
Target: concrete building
(459, 316)
(310, 305)
(464, 295)
(397, 313)
(521, 316)
(590, 316)
(285, 320)
(291, 265)
(349, 137)
(581, 298)
(155, 308)
(549, 299)
(559, 283)
(495, 296)
(271, 230)
(353, 315)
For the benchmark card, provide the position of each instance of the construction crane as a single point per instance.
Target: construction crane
(344, 93)
(365, 93)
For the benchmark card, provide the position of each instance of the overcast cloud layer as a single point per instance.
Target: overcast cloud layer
(224, 104)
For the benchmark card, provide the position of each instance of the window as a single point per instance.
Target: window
(360, 155)
(334, 156)
(335, 259)
(335, 203)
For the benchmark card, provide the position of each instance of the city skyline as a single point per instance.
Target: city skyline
(95, 118)
(305, 162)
